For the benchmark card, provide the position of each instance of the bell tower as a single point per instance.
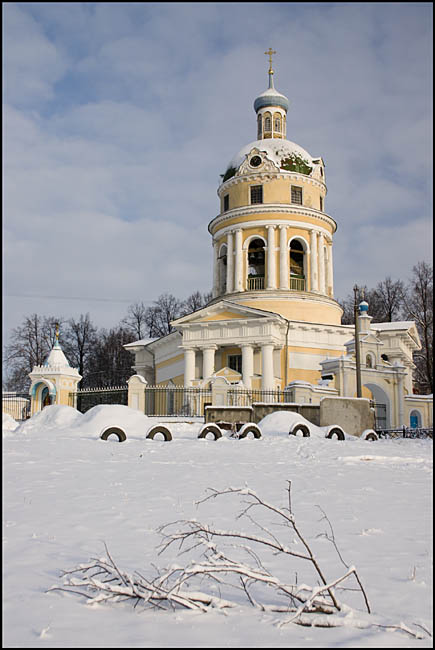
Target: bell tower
(272, 238)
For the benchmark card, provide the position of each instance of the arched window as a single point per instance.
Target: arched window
(256, 265)
(297, 273)
(259, 129)
(222, 261)
(277, 122)
(267, 122)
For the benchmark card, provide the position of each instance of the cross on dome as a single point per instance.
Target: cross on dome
(269, 53)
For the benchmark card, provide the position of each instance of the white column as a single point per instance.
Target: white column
(313, 260)
(271, 266)
(330, 270)
(208, 361)
(247, 364)
(283, 258)
(189, 366)
(238, 270)
(230, 274)
(267, 376)
(400, 395)
(215, 291)
(321, 263)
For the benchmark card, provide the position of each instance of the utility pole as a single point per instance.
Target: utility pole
(357, 350)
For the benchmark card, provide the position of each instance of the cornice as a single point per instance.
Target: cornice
(268, 208)
(268, 176)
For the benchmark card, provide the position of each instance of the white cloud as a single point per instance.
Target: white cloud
(120, 117)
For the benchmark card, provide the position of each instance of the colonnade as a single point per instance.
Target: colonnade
(208, 364)
(318, 260)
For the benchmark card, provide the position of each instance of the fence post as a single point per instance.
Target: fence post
(136, 392)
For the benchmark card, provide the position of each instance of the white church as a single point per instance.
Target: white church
(273, 322)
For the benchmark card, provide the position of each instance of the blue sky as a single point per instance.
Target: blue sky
(119, 118)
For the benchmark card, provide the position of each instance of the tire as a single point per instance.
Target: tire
(159, 428)
(249, 427)
(300, 428)
(116, 431)
(335, 431)
(369, 434)
(210, 428)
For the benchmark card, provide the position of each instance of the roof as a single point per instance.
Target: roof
(275, 148)
(394, 325)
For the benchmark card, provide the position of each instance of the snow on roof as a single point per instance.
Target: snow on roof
(140, 342)
(275, 148)
(396, 325)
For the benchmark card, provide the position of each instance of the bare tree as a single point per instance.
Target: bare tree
(195, 301)
(30, 344)
(109, 363)
(79, 338)
(136, 319)
(388, 297)
(164, 310)
(418, 305)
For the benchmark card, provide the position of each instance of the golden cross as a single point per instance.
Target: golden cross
(269, 54)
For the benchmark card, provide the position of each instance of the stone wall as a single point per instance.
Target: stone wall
(353, 414)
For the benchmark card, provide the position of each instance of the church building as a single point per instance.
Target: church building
(273, 321)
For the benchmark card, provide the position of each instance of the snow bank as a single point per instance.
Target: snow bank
(9, 424)
(281, 422)
(51, 418)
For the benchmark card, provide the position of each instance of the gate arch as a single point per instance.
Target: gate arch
(381, 397)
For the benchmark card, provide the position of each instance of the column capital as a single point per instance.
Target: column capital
(208, 346)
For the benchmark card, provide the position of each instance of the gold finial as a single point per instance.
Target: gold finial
(269, 54)
(57, 332)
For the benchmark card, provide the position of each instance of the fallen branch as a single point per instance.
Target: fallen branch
(240, 567)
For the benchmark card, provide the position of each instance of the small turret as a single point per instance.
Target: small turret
(271, 108)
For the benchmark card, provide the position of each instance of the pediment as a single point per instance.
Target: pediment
(223, 310)
(265, 164)
(229, 374)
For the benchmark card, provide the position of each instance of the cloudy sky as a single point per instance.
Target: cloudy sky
(119, 118)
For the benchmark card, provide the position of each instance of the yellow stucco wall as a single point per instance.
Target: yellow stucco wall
(303, 310)
(272, 217)
(277, 190)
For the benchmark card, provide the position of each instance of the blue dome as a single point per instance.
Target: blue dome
(363, 306)
(271, 97)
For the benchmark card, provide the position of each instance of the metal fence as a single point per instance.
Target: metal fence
(86, 398)
(406, 432)
(176, 401)
(17, 405)
(247, 397)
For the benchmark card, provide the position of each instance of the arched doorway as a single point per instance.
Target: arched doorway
(45, 397)
(382, 406)
(415, 419)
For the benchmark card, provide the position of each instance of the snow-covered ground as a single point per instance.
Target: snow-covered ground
(67, 493)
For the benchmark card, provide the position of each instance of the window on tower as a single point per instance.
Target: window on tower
(297, 273)
(226, 202)
(296, 194)
(256, 194)
(259, 129)
(277, 123)
(321, 203)
(268, 123)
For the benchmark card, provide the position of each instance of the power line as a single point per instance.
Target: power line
(88, 298)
